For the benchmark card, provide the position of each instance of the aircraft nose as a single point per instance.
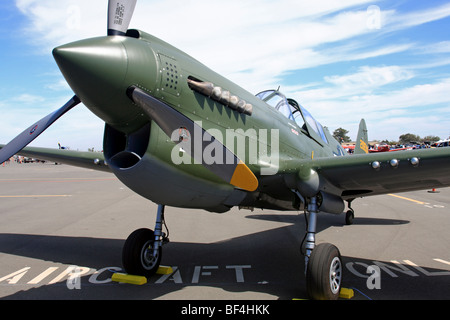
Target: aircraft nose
(95, 70)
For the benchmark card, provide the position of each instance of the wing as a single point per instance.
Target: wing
(89, 160)
(362, 175)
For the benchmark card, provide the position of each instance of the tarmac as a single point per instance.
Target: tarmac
(62, 230)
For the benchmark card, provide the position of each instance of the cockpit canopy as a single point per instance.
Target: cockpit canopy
(293, 111)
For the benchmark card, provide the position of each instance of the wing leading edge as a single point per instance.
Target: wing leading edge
(372, 174)
(88, 160)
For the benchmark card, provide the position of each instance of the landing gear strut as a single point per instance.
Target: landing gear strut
(142, 252)
(323, 263)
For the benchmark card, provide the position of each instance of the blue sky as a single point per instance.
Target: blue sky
(385, 61)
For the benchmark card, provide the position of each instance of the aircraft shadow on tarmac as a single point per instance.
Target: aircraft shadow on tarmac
(95, 252)
(327, 220)
(273, 265)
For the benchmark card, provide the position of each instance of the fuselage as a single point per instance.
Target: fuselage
(141, 155)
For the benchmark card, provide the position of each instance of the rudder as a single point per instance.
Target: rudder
(362, 140)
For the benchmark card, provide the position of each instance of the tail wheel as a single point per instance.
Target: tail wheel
(138, 256)
(324, 273)
(349, 216)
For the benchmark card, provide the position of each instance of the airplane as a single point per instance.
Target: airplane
(441, 143)
(181, 135)
(386, 148)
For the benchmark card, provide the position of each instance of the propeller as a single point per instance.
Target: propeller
(193, 140)
(119, 16)
(27, 136)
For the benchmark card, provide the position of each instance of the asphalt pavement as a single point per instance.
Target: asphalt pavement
(62, 230)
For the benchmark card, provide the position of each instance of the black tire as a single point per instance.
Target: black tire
(349, 216)
(137, 253)
(324, 273)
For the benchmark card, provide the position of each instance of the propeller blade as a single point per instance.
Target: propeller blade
(120, 13)
(194, 140)
(25, 138)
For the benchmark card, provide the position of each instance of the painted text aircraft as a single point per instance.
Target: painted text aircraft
(181, 135)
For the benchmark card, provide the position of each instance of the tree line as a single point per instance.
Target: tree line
(341, 135)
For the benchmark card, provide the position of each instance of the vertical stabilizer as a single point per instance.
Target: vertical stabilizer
(362, 141)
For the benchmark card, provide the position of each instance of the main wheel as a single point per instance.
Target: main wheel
(324, 273)
(137, 253)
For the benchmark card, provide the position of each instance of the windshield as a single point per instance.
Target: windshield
(316, 126)
(277, 101)
(293, 111)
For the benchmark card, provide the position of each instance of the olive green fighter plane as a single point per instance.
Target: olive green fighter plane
(181, 135)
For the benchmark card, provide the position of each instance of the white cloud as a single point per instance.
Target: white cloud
(364, 82)
(420, 109)
(440, 47)
(257, 38)
(370, 78)
(79, 128)
(60, 85)
(395, 21)
(235, 31)
(28, 99)
(257, 42)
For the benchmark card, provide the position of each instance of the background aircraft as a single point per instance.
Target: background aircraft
(181, 135)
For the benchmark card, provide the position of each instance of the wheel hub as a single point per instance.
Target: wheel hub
(148, 260)
(335, 275)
